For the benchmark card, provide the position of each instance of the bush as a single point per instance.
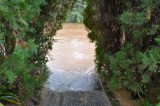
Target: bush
(26, 31)
(127, 37)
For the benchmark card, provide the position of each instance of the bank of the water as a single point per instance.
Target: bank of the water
(120, 97)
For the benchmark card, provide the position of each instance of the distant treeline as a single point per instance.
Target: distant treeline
(76, 14)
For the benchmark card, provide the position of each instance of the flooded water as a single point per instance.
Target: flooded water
(71, 61)
(73, 80)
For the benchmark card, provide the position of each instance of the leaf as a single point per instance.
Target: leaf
(15, 24)
(158, 98)
(3, 7)
(126, 17)
(32, 47)
(145, 78)
(1, 104)
(22, 1)
(139, 19)
(114, 83)
(10, 76)
(10, 99)
(1, 34)
(136, 87)
(157, 40)
(1, 37)
(23, 22)
(158, 104)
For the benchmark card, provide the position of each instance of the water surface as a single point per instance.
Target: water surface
(71, 61)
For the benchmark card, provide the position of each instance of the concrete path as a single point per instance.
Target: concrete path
(70, 98)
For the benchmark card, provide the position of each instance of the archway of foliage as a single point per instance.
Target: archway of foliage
(126, 33)
(127, 37)
(26, 31)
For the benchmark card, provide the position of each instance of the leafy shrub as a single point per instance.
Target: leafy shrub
(26, 31)
(127, 38)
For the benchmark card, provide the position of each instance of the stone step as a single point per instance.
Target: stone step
(79, 98)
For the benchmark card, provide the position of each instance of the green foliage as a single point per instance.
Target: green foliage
(144, 59)
(15, 67)
(1, 104)
(128, 40)
(11, 99)
(26, 31)
(76, 14)
(145, 102)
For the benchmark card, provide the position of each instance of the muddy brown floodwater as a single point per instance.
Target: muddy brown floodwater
(73, 80)
(71, 61)
(72, 50)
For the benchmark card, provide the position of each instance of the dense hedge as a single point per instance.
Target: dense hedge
(127, 37)
(26, 30)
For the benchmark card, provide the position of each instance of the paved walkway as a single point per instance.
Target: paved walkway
(70, 98)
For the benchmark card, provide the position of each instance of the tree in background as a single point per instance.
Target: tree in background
(76, 14)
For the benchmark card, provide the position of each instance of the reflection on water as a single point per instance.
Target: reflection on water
(62, 80)
(71, 61)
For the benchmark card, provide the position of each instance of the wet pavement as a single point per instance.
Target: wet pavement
(73, 80)
(79, 98)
